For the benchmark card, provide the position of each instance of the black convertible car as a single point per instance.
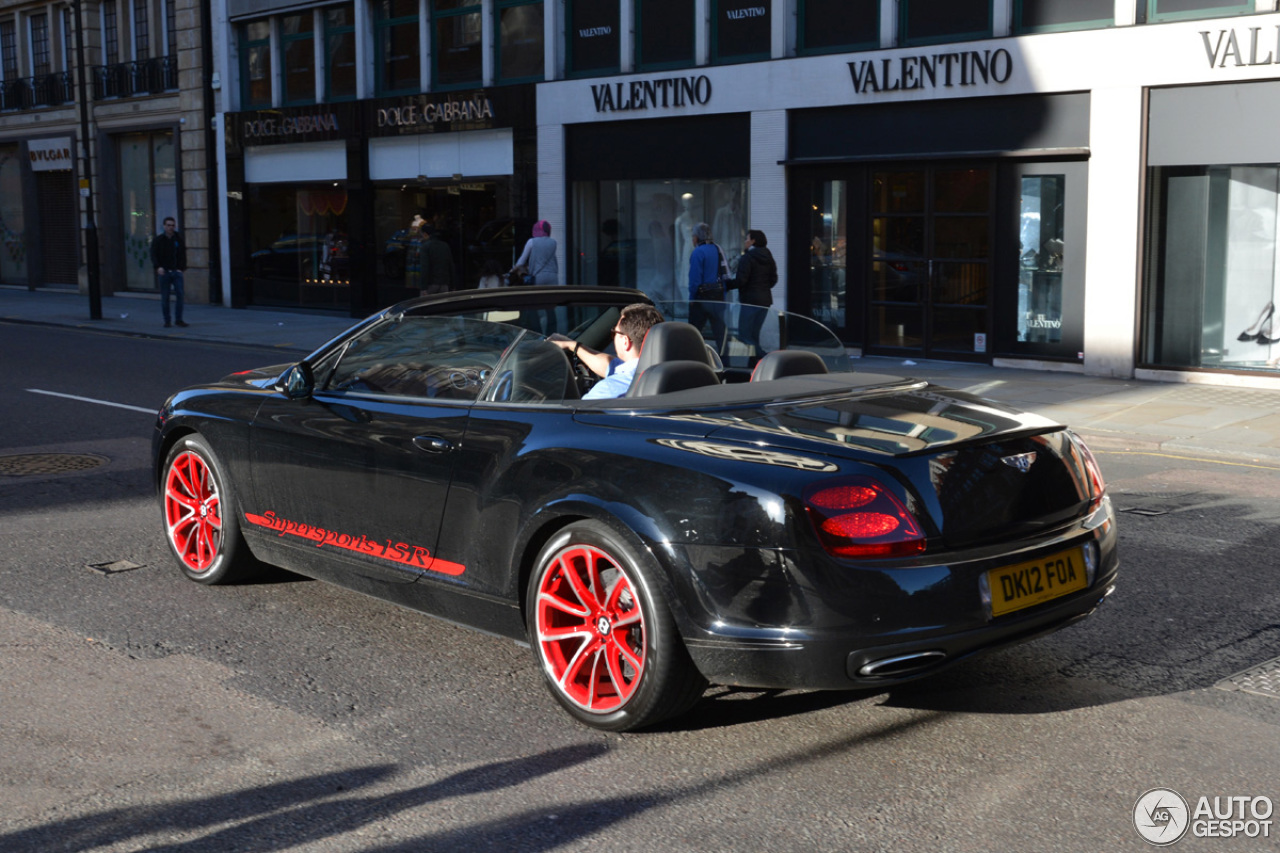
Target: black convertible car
(751, 514)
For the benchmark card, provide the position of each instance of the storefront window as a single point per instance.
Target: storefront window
(934, 21)
(299, 245)
(639, 233)
(297, 47)
(398, 52)
(340, 52)
(594, 37)
(13, 238)
(1166, 10)
(665, 33)
(520, 40)
(839, 25)
(255, 64)
(1213, 277)
(148, 193)
(1035, 16)
(1042, 221)
(828, 252)
(457, 29)
(742, 30)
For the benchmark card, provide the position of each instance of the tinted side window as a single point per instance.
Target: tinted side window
(423, 357)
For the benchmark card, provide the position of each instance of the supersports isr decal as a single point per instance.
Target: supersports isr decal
(396, 552)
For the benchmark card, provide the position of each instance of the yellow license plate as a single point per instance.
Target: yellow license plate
(1036, 581)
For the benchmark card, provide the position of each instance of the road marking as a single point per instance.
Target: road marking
(91, 400)
(1182, 458)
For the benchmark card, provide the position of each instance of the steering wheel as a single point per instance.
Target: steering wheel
(582, 374)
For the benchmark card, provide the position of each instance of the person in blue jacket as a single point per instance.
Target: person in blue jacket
(706, 287)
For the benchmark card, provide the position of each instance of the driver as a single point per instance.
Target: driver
(616, 372)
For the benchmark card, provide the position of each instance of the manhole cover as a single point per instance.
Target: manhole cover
(1263, 680)
(30, 464)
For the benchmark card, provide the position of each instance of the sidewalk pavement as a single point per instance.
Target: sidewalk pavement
(1192, 419)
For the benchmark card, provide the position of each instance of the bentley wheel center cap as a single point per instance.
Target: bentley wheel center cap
(603, 626)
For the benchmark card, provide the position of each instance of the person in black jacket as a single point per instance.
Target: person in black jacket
(169, 257)
(756, 276)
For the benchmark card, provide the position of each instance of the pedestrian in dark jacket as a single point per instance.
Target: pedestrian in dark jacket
(437, 263)
(169, 257)
(756, 276)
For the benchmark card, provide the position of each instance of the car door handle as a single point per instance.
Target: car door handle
(432, 444)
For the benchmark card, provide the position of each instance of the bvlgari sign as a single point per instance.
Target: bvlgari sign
(932, 71)
(49, 155)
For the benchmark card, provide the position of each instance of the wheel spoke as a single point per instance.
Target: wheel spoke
(583, 588)
(557, 603)
(575, 664)
(621, 686)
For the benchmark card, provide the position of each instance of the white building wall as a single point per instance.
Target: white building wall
(1115, 65)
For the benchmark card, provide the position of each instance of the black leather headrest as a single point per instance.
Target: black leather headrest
(672, 376)
(672, 341)
(788, 362)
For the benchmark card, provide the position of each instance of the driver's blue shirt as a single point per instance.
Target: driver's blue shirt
(617, 382)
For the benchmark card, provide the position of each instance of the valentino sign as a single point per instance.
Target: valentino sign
(1226, 47)
(938, 70)
(652, 94)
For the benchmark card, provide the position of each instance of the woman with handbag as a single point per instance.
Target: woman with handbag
(707, 270)
(538, 265)
(538, 258)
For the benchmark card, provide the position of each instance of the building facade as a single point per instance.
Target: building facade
(1075, 184)
(147, 111)
(347, 120)
(1083, 185)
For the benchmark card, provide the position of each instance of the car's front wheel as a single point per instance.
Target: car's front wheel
(602, 633)
(199, 515)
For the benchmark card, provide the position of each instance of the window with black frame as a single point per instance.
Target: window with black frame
(9, 50)
(827, 26)
(255, 64)
(594, 36)
(298, 54)
(520, 40)
(397, 47)
(1173, 10)
(742, 30)
(935, 21)
(110, 34)
(456, 44)
(40, 45)
(665, 33)
(340, 52)
(141, 30)
(1040, 16)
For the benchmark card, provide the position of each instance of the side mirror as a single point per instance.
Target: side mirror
(298, 382)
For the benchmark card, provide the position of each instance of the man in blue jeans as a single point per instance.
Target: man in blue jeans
(169, 257)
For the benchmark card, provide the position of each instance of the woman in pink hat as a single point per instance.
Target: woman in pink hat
(538, 260)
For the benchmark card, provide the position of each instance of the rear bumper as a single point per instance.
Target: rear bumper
(798, 662)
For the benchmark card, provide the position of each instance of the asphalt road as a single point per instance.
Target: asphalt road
(139, 711)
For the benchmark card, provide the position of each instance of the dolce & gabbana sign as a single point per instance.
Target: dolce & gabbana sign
(932, 71)
(652, 94)
(423, 114)
(277, 127)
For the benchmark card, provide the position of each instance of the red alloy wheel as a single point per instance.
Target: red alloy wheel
(590, 629)
(193, 511)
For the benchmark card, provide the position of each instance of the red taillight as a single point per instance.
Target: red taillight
(1097, 487)
(861, 518)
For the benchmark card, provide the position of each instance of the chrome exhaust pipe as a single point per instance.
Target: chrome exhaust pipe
(902, 665)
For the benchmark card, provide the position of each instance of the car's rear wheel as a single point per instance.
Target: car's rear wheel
(199, 515)
(603, 634)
